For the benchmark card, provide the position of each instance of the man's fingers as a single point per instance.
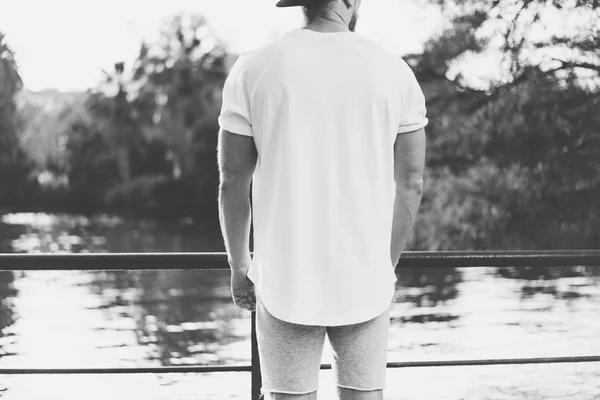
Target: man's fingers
(246, 299)
(247, 302)
(246, 305)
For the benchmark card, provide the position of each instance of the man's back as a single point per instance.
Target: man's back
(324, 110)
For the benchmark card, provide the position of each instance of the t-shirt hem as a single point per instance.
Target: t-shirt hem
(327, 321)
(412, 127)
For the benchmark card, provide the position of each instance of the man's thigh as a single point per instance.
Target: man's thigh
(290, 354)
(360, 353)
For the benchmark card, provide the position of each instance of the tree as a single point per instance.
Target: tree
(526, 149)
(44, 117)
(178, 78)
(14, 166)
(157, 121)
(93, 166)
(108, 156)
(178, 82)
(111, 105)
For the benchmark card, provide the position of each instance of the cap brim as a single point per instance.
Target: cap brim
(290, 3)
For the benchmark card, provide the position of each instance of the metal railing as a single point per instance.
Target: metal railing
(218, 261)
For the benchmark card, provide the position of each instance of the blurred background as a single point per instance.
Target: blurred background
(108, 135)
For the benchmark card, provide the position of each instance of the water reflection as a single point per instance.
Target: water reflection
(37, 232)
(182, 317)
(426, 289)
(9, 233)
(7, 315)
(565, 283)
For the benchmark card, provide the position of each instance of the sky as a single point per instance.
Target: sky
(64, 44)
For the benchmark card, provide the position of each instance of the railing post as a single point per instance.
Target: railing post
(256, 378)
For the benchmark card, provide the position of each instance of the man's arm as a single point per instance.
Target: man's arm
(409, 164)
(237, 156)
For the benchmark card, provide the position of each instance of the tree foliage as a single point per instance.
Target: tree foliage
(14, 165)
(179, 81)
(523, 156)
(152, 127)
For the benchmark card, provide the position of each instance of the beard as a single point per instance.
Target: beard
(353, 21)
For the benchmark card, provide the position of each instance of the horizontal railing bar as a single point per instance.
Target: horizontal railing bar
(495, 361)
(129, 370)
(247, 368)
(218, 260)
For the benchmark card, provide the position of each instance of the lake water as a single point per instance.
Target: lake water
(69, 319)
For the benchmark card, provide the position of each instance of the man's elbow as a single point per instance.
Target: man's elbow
(414, 185)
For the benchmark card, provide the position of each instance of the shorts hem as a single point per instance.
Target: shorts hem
(361, 389)
(287, 391)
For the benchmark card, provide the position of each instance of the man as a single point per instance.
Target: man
(328, 128)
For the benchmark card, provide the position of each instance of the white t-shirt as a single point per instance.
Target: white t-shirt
(324, 110)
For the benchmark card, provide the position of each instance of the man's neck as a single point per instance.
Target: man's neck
(328, 24)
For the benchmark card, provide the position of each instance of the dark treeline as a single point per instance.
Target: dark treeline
(513, 167)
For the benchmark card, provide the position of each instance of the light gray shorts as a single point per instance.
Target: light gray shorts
(290, 354)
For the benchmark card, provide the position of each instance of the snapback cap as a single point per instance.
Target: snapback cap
(292, 3)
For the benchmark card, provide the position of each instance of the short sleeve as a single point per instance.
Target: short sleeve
(413, 102)
(235, 108)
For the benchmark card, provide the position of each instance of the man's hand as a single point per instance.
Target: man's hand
(242, 290)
